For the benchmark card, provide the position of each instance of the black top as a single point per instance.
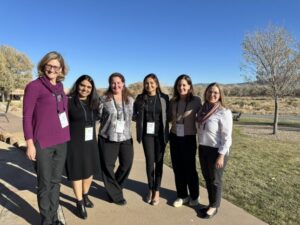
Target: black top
(83, 157)
(140, 110)
(152, 113)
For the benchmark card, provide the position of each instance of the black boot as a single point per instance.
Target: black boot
(81, 209)
(87, 201)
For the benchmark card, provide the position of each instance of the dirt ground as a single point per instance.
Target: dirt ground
(282, 135)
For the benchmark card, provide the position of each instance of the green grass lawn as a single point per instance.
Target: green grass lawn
(262, 177)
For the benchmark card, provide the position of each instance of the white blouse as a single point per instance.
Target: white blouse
(217, 131)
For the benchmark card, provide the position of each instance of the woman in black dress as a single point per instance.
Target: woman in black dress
(83, 156)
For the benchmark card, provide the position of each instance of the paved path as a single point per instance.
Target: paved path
(18, 204)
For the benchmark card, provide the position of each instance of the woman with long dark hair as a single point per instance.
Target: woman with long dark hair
(115, 140)
(83, 156)
(183, 113)
(215, 139)
(152, 128)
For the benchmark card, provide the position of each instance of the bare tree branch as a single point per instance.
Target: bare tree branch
(273, 58)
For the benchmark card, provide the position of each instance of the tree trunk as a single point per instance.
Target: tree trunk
(2, 96)
(275, 123)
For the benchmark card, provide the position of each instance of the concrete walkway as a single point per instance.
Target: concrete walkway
(18, 203)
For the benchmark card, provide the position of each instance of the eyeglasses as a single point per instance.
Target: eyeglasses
(55, 68)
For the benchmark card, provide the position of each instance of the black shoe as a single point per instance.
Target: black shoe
(81, 210)
(202, 210)
(121, 202)
(87, 202)
(210, 216)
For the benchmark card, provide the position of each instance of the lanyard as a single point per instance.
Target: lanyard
(123, 109)
(59, 97)
(85, 116)
(153, 107)
(186, 103)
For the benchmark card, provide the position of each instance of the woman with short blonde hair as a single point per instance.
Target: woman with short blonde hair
(46, 131)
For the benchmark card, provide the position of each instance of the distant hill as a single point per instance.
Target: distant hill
(232, 84)
(233, 89)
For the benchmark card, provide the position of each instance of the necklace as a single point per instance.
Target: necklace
(151, 99)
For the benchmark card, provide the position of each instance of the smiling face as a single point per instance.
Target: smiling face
(150, 86)
(116, 85)
(183, 88)
(84, 89)
(52, 70)
(212, 95)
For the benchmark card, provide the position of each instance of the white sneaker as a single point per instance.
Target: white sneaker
(180, 201)
(194, 202)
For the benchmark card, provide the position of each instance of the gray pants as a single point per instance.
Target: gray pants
(49, 167)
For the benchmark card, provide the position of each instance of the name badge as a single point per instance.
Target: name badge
(59, 98)
(120, 126)
(150, 127)
(180, 130)
(63, 119)
(88, 134)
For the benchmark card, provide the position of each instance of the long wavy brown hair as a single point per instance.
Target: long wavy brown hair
(176, 95)
(125, 92)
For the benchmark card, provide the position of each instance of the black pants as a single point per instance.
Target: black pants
(183, 155)
(109, 152)
(154, 149)
(49, 167)
(212, 175)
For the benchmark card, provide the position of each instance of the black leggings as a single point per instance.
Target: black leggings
(154, 149)
(212, 175)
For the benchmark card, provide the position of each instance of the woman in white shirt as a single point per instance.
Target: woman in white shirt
(215, 130)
